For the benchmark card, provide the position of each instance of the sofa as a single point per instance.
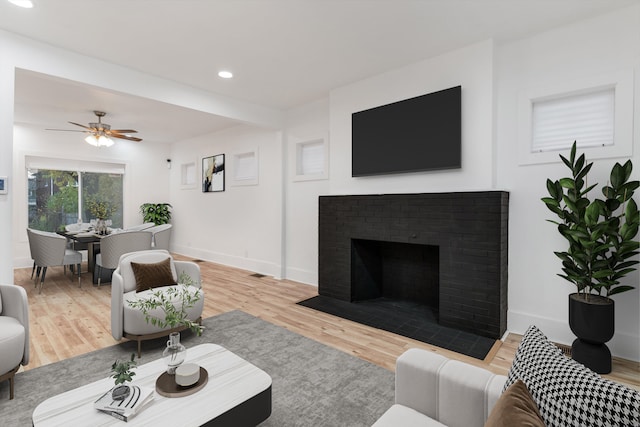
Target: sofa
(543, 388)
(14, 332)
(432, 390)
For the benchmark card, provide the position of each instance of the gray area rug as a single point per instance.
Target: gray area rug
(313, 384)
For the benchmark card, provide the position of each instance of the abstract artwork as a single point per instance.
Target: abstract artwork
(213, 173)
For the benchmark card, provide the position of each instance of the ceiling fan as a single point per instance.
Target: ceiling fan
(100, 133)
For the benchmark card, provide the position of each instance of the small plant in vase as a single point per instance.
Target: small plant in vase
(101, 211)
(174, 303)
(122, 372)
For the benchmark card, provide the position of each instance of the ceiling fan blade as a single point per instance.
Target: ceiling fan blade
(130, 138)
(70, 130)
(82, 126)
(124, 131)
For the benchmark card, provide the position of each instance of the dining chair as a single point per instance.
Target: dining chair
(48, 250)
(140, 227)
(115, 245)
(161, 236)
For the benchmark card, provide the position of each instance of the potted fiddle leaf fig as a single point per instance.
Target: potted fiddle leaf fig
(602, 248)
(158, 213)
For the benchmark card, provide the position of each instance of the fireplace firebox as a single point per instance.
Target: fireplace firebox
(447, 251)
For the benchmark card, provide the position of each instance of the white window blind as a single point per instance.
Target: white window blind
(246, 167)
(311, 158)
(36, 162)
(587, 118)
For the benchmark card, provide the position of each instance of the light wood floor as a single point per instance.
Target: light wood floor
(67, 321)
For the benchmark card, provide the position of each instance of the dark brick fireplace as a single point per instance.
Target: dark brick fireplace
(444, 250)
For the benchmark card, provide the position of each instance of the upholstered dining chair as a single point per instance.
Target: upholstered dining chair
(114, 245)
(161, 236)
(140, 227)
(14, 332)
(129, 322)
(49, 250)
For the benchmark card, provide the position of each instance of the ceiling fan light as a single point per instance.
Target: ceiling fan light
(104, 141)
(91, 139)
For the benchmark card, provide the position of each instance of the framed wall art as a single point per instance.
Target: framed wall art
(213, 173)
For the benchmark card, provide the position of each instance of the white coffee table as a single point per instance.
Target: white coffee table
(237, 393)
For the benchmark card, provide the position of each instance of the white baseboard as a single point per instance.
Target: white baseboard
(303, 276)
(258, 266)
(624, 345)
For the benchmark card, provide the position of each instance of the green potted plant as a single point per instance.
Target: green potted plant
(158, 213)
(122, 372)
(601, 236)
(174, 302)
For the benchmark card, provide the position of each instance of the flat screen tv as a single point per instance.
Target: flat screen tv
(416, 134)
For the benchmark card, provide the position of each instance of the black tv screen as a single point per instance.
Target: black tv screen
(416, 134)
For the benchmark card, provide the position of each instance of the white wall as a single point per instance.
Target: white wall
(240, 226)
(307, 123)
(603, 45)
(146, 175)
(471, 67)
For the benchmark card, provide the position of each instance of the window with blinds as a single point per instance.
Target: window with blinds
(245, 168)
(587, 118)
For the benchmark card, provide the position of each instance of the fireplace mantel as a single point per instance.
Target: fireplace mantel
(470, 229)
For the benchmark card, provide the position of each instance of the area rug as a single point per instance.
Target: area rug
(313, 384)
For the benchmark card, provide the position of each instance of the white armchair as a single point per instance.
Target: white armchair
(129, 322)
(14, 332)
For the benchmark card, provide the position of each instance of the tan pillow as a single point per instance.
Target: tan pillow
(149, 276)
(515, 408)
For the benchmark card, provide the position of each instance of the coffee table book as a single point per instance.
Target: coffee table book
(128, 407)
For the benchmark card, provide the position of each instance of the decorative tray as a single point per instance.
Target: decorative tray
(166, 385)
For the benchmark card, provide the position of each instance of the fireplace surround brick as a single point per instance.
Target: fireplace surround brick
(470, 229)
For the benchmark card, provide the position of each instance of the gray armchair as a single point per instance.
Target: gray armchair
(49, 250)
(14, 332)
(129, 322)
(114, 245)
(161, 236)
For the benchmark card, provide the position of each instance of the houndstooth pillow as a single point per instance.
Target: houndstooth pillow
(566, 392)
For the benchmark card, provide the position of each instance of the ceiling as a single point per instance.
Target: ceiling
(283, 53)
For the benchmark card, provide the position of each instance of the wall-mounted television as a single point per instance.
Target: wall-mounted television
(416, 134)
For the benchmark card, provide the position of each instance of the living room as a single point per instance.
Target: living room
(271, 226)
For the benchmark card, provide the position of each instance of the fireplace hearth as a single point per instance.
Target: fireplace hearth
(441, 252)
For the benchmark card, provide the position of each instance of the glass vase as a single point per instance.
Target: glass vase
(175, 353)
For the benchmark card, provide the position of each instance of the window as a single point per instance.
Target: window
(311, 160)
(60, 197)
(245, 168)
(595, 111)
(587, 118)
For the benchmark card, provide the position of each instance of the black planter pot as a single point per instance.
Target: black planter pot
(592, 321)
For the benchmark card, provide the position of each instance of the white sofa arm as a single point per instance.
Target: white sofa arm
(449, 391)
(117, 307)
(15, 304)
(191, 268)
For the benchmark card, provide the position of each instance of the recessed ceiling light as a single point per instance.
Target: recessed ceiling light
(28, 4)
(225, 74)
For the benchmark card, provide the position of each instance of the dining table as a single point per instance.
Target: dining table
(92, 241)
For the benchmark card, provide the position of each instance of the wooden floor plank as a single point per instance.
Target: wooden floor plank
(67, 320)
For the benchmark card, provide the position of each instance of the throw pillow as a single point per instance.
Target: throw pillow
(566, 392)
(149, 276)
(515, 408)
